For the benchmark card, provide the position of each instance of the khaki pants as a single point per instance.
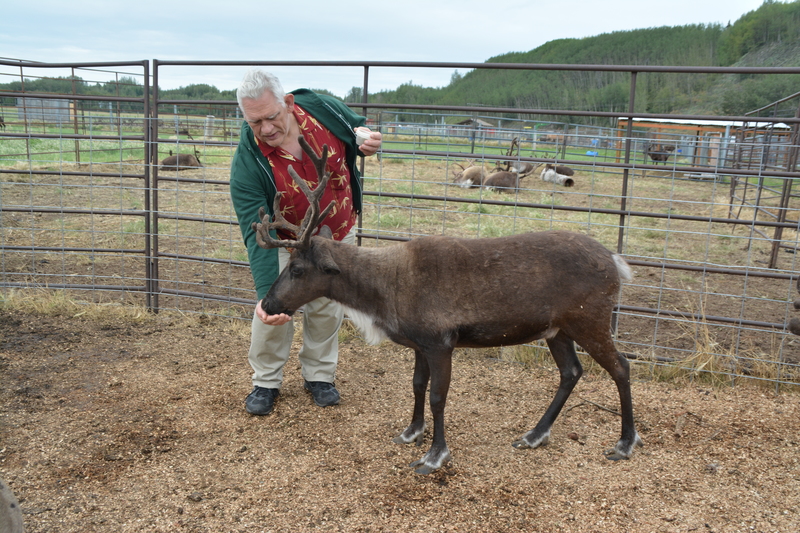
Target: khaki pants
(270, 345)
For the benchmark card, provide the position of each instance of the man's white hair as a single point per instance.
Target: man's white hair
(255, 83)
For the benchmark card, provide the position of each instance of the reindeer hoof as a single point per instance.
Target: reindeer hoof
(614, 455)
(526, 443)
(423, 469)
(430, 462)
(402, 438)
(623, 451)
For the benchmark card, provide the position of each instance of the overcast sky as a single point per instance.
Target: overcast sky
(464, 31)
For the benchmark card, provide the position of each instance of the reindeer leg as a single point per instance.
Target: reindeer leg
(415, 430)
(629, 439)
(607, 356)
(440, 364)
(563, 350)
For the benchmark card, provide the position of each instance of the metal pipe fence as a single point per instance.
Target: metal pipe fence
(88, 208)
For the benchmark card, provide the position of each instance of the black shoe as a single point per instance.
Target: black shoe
(261, 401)
(324, 394)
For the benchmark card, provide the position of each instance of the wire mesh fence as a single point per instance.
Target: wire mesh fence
(709, 228)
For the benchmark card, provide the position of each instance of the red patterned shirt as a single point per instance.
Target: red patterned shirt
(294, 204)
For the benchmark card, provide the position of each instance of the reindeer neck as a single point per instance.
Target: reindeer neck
(367, 275)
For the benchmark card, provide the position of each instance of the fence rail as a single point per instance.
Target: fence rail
(712, 232)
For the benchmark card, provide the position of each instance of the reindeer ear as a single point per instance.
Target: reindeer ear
(326, 263)
(325, 232)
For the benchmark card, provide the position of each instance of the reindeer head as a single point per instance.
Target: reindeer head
(299, 283)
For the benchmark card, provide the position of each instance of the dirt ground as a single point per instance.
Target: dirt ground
(130, 424)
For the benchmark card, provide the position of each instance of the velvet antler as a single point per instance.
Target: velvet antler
(313, 215)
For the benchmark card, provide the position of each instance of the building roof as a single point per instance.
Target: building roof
(706, 123)
(476, 122)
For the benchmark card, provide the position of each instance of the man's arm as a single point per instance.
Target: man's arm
(248, 194)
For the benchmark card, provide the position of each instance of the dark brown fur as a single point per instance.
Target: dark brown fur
(503, 181)
(561, 169)
(181, 161)
(659, 152)
(434, 294)
(437, 293)
(556, 138)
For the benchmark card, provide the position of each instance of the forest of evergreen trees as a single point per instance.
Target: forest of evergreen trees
(767, 36)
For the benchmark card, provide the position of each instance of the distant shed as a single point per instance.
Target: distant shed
(49, 110)
(715, 143)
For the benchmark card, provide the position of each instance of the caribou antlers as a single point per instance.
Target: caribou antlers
(313, 216)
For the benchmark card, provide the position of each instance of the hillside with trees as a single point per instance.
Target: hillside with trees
(767, 36)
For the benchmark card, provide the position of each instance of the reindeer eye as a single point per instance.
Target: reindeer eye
(296, 271)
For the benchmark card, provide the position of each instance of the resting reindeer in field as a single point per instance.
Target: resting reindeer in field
(469, 177)
(523, 168)
(503, 181)
(553, 285)
(181, 161)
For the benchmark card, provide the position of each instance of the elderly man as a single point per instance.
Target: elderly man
(268, 146)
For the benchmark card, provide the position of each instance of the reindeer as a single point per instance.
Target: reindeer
(523, 168)
(2, 123)
(659, 152)
(553, 285)
(181, 161)
(469, 177)
(503, 181)
(553, 138)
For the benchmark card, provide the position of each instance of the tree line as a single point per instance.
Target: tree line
(766, 36)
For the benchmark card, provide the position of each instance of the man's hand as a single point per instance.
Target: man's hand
(371, 145)
(271, 320)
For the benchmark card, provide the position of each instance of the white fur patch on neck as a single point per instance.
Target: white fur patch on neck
(366, 325)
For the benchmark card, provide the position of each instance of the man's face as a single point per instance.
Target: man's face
(268, 119)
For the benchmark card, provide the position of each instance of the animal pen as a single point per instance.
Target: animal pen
(711, 233)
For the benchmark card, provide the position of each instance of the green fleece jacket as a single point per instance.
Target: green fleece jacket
(253, 184)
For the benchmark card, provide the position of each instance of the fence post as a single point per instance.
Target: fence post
(628, 132)
(786, 194)
(74, 120)
(364, 99)
(151, 195)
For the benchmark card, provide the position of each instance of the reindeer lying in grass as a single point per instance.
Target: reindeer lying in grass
(470, 176)
(181, 161)
(434, 294)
